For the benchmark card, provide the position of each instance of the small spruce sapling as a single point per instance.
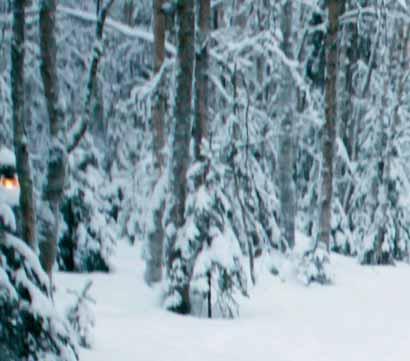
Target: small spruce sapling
(218, 275)
(313, 267)
(81, 316)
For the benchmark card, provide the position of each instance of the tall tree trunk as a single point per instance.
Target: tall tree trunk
(335, 8)
(286, 142)
(159, 103)
(27, 204)
(387, 127)
(179, 160)
(153, 271)
(200, 127)
(56, 168)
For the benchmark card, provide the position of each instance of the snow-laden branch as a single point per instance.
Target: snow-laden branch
(352, 16)
(80, 127)
(111, 24)
(130, 32)
(149, 87)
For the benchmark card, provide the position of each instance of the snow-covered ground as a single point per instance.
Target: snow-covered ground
(364, 316)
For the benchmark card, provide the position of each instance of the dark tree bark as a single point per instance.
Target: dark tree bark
(200, 127)
(153, 272)
(286, 142)
(335, 8)
(179, 159)
(159, 103)
(27, 204)
(56, 168)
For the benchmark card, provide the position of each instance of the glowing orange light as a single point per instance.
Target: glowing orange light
(9, 183)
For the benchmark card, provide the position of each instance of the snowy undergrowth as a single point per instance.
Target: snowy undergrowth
(30, 327)
(363, 315)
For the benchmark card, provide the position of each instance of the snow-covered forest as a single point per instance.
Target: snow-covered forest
(204, 180)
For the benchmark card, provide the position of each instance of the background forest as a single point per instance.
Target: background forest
(215, 133)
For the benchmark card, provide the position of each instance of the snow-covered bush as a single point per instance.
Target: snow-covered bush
(30, 328)
(313, 267)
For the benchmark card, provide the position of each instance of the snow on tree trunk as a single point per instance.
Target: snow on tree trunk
(21, 146)
(178, 268)
(314, 264)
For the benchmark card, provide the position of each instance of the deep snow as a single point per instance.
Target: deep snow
(364, 316)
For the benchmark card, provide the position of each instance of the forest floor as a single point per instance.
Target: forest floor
(363, 316)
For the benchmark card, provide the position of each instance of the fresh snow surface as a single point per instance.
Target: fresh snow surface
(364, 316)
